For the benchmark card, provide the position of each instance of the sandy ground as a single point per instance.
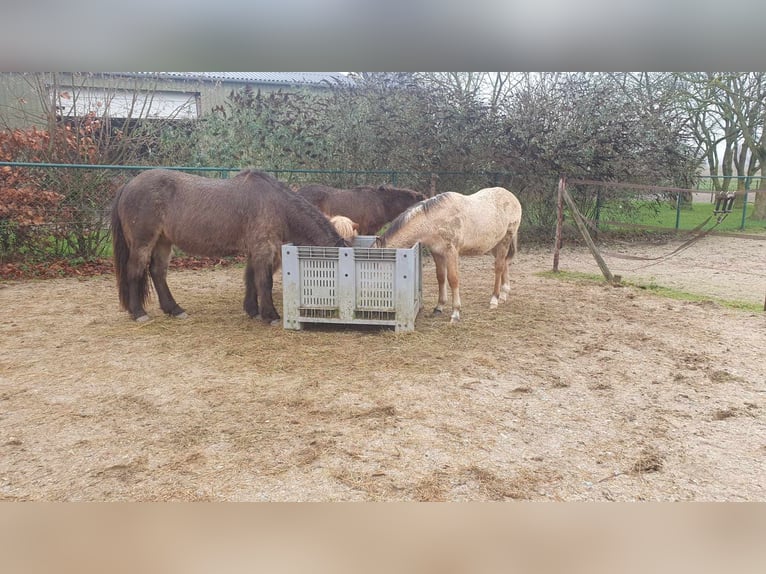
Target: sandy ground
(570, 391)
(720, 267)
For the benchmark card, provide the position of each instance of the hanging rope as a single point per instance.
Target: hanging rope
(685, 245)
(724, 205)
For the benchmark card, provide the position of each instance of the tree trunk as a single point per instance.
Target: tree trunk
(739, 196)
(759, 210)
(432, 187)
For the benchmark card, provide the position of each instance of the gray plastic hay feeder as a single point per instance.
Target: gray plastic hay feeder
(359, 285)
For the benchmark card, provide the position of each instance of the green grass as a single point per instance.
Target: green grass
(651, 287)
(649, 213)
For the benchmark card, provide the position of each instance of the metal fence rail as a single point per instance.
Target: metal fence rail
(625, 204)
(75, 225)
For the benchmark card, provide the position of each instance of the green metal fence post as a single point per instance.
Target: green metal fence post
(598, 207)
(678, 210)
(744, 204)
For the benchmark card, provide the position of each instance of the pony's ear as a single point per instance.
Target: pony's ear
(378, 241)
(354, 226)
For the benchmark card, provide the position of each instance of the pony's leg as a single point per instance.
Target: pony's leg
(264, 281)
(260, 270)
(505, 290)
(158, 269)
(138, 282)
(454, 283)
(505, 286)
(251, 295)
(501, 267)
(441, 279)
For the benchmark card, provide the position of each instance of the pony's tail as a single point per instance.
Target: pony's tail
(121, 256)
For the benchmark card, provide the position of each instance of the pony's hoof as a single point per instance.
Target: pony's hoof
(182, 315)
(276, 323)
(455, 318)
(143, 319)
(437, 312)
(493, 303)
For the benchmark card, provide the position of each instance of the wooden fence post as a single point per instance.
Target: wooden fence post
(584, 232)
(559, 224)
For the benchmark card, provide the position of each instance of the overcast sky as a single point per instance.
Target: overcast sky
(542, 35)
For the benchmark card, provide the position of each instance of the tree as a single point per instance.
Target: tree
(492, 87)
(275, 130)
(402, 122)
(727, 113)
(745, 100)
(593, 126)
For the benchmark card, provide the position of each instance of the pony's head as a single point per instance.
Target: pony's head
(346, 228)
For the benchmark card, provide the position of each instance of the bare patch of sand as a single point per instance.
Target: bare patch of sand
(567, 392)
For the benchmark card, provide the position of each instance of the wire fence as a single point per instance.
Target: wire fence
(57, 210)
(616, 205)
(683, 262)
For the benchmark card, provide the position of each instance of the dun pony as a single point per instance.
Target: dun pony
(451, 225)
(251, 214)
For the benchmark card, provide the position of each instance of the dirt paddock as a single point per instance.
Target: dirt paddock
(570, 391)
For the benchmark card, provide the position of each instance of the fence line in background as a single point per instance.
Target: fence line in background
(678, 191)
(41, 228)
(85, 209)
(393, 175)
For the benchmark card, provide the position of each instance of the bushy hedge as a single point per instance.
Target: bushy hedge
(428, 137)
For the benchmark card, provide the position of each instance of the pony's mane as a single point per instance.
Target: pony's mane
(309, 219)
(418, 210)
(248, 173)
(306, 221)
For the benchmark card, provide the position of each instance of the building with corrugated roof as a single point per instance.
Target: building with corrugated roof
(139, 95)
(284, 79)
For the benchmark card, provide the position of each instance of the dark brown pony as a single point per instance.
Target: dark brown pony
(251, 213)
(370, 207)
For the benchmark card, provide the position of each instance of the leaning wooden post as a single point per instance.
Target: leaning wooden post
(584, 232)
(559, 223)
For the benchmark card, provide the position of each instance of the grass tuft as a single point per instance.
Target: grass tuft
(652, 287)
